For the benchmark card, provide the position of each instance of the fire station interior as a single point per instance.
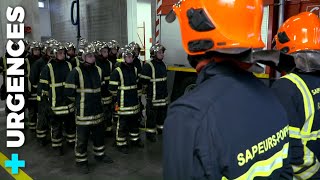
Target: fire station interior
(141, 21)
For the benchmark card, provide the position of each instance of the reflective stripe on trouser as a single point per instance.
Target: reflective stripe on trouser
(155, 117)
(127, 125)
(108, 117)
(33, 110)
(56, 128)
(82, 137)
(43, 122)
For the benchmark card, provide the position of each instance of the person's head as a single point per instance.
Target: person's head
(88, 54)
(127, 55)
(157, 51)
(35, 49)
(299, 36)
(136, 48)
(104, 50)
(71, 49)
(114, 47)
(59, 51)
(225, 27)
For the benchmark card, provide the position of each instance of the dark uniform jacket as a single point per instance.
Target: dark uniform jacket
(123, 85)
(154, 75)
(231, 126)
(299, 95)
(83, 86)
(106, 67)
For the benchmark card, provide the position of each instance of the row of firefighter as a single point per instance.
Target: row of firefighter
(96, 91)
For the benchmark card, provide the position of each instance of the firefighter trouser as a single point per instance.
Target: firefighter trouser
(32, 110)
(155, 118)
(57, 122)
(82, 137)
(43, 123)
(127, 125)
(108, 117)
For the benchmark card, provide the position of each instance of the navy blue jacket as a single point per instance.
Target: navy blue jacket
(229, 123)
(291, 98)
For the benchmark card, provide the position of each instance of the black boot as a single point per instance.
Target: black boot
(83, 167)
(108, 134)
(71, 144)
(104, 159)
(138, 143)
(151, 137)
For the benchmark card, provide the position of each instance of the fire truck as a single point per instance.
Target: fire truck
(182, 76)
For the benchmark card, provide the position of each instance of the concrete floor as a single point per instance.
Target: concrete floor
(139, 164)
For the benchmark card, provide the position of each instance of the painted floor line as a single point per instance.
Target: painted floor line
(20, 176)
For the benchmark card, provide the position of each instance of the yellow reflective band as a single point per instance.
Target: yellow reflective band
(159, 79)
(41, 135)
(120, 139)
(88, 118)
(100, 72)
(87, 90)
(122, 84)
(89, 122)
(62, 107)
(28, 74)
(20, 176)
(71, 135)
(41, 132)
(109, 128)
(56, 144)
(129, 108)
(69, 65)
(98, 148)
(160, 100)
(115, 83)
(294, 132)
(56, 140)
(98, 153)
(150, 130)
(307, 100)
(128, 112)
(72, 86)
(266, 167)
(32, 98)
(107, 78)
(127, 87)
(57, 84)
(44, 81)
(53, 89)
(77, 61)
(159, 104)
(38, 98)
(160, 126)
(82, 94)
(134, 134)
(310, 161)
(81, 159)
(80, 154)
(154, 85)
(35, 86)
(121, 143)
(134, 139)
(145, 77)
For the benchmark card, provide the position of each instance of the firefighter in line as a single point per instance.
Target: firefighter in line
(52, 80)
(123, 85)
(138, 64)
(83, 86)
(298, 91)
(71, 54)
(231, 126)
(113, 52)
(106, 67)
(154, 77)
(43, 124)
(32, 105)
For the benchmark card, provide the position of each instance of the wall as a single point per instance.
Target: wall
(99, 20)
(31, 19)
(45, 22)
(144, 16)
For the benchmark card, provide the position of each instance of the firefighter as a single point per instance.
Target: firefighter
(154, 76)
(123, 85)
(35, 55)
(83, 86)
(231, 126)
(138, 64)
(106, 67)
(43, 124)
(71, 54)
(114, 48)
(52, 80)
(299, 92)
